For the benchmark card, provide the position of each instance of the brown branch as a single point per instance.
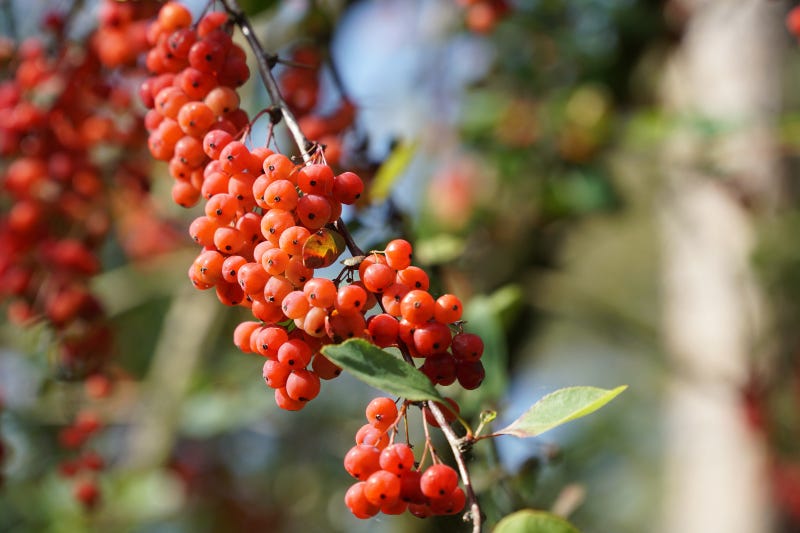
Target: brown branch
(265, 70)
(455, 445)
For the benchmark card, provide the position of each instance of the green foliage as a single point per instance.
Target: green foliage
(558, 408)
(381, 370)
(528, 521)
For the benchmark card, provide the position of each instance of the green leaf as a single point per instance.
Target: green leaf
(381, 370)
(558, 408)
(529, 521)
(391, 169)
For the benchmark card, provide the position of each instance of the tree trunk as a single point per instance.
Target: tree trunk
(722, 170)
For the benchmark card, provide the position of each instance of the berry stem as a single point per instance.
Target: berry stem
(306, 147)
(453, 441)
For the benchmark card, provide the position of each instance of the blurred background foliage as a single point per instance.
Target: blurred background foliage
(520, 162)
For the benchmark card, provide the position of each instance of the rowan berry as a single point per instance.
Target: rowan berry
(207, 55)
(356, 501)
(292, 239)
(189, 150)
(281, 194)
(214, 141)
(340, 327)
(431, 338)
(397, 459)
(274, 223)
(249, 224)
(252, 278)
(267, 312)
(87, 493)
(242, 334)
(369, 434)
(285, 402)
(440, 368)
(321, 292)
(347, 188)
(378, 277)
(196, 84)
(414, 278)
(314, 211)
(295, 353)
(295, 304)
(381, 413)
(417, 306)
(398, 507)
(215, 183)
(222, 208)
(297, 273)
(438, 481)
(274, 261)
(362, 461)
(316, 179)
(302, 385)
(210, 22)
(398, 254)
(169, 101)
(409, 487)
(235, 157)
(209, 266)
(229, 240)
(382, 488)
(448, 309)
(470, 374)
(222, 100)
(350, 299)
(314, 322)
(278, 166)
(276, 289)
(452, 503)
(467, 347)
(391, 298)
(324, 367)
(383, 329)
(174, 16)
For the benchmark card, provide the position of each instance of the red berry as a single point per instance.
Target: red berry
(381, 413)
(362, 461)
(438, 481)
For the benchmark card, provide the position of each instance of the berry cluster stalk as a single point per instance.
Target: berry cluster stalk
(265, 70)
(306, 149)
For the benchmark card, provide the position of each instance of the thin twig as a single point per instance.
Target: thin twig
(264, 68)
(453, 440)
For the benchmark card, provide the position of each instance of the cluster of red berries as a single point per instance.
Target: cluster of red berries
(59, 105)
(83, 465)
(262, 215)
(414, 318)
(301, 87)
(121, 34)
(192, 94)
(389, 480)
(268, 224)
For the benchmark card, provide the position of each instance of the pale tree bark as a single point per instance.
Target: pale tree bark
(722, 171)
